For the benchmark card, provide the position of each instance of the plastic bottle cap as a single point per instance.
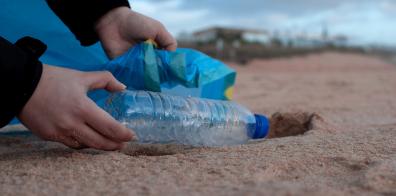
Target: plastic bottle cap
(262, 127)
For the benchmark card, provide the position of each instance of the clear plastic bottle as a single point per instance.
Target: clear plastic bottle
(164, 118)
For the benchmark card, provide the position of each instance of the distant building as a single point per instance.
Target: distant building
(289, 39)
(212, 34)
(312, 41)
(185, 37)
(256, 36)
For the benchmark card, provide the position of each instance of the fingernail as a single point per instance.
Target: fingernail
(124, 86)
(124, 147)
(133, 138)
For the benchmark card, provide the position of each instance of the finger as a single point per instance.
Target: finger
(106, 125)
(91, 138)
(166, 40)
(70, 142)
(103, 80)
(171, 48)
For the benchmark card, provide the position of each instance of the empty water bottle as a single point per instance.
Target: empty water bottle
(164, 118)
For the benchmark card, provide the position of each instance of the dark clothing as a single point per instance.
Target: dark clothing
(20, 73)
(20, 69)
(80, 15)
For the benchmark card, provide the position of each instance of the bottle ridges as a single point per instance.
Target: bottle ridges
(164, 118)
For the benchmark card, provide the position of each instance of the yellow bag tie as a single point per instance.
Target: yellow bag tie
(150, 41)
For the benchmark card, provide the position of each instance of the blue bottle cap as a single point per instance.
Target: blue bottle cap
(262, 126)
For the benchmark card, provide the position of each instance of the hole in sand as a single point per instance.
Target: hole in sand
(284, 124)
(149, 149)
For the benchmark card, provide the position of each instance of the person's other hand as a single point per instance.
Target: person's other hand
(121, 28)
(59, 110)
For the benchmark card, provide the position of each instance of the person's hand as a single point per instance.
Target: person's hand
(121, 28)
(59, 110)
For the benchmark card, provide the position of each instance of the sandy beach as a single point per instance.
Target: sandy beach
(332, 132)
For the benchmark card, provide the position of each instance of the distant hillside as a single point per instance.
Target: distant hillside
(246, 52)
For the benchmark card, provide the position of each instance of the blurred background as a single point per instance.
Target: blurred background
(239, 31)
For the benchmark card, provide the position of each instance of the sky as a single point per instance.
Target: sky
(362, 21)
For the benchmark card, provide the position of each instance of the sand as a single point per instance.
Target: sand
(333, 132)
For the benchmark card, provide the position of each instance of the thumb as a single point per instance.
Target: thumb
(103, 80)
(165, 39)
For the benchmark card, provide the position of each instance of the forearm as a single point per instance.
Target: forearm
(20, 73)
(80, 16)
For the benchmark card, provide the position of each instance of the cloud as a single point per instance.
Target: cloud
(276, 18)
(291, 7)
(388, 6)
(369, 20)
